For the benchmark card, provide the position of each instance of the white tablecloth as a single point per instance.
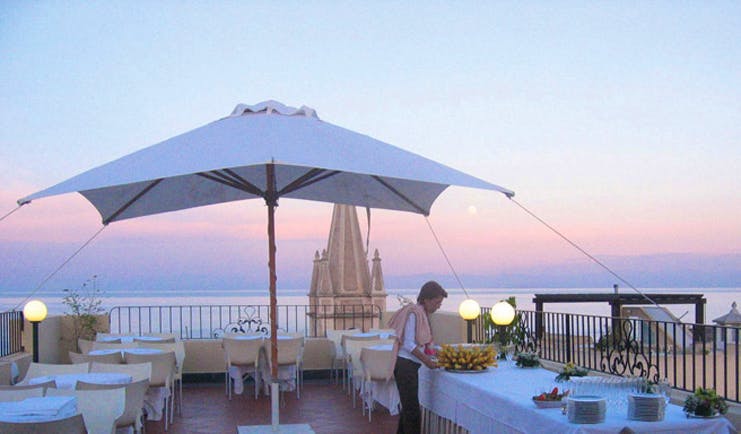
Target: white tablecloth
(130, 339)
(126, 350)
(38, 409)
(500, 401)
(68, 381)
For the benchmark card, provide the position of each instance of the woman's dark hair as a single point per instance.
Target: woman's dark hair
(431, 290)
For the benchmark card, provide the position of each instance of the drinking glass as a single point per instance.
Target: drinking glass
(665, 388)
(509, 353)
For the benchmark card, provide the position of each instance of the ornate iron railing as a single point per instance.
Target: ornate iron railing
(11, 330)
(212, 321)
(688, 355)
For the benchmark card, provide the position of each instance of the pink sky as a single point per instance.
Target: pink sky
(617, 125)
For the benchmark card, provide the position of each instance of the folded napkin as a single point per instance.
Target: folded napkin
(42, 406)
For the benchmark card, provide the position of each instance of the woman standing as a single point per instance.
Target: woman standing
(414, 347)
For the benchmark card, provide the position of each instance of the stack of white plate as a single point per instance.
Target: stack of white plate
(586, 408)
(647, 407)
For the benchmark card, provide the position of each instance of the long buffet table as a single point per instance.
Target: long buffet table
(500, 401)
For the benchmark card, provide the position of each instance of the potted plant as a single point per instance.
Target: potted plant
(704, 403)
(527, 360)
(84, 309)
(570, 370)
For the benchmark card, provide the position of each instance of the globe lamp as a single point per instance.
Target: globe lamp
(35, 312)
(502, 313)
(469, 309)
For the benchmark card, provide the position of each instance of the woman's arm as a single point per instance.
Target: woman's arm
(424, 358)
(410, 342)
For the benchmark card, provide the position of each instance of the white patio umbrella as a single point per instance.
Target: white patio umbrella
(267, 151)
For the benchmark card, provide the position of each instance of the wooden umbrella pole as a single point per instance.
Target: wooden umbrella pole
(273, 297)
(272, 202)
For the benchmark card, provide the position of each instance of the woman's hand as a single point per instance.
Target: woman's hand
(424, 358)
(430, 363)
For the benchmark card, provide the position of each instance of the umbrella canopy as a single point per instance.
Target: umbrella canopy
(226, 161)
(268, 151)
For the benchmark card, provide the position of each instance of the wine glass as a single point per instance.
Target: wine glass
(665, 388)
(509, 353)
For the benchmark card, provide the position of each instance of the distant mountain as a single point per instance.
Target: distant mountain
(673, 270)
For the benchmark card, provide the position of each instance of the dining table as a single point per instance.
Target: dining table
(105, 351)
(69, 381)
(38, 409)
(500, 400)
(130, 338)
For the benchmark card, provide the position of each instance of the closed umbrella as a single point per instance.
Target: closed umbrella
(267, 151)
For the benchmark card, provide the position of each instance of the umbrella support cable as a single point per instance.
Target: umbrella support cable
(445, 255)
(584, 252)
(62, 265)
(12, 211)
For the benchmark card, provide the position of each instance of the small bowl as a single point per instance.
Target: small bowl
(549, 404)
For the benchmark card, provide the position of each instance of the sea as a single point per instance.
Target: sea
(719, 300)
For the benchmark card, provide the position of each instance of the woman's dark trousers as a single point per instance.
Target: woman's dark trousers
(407, 381)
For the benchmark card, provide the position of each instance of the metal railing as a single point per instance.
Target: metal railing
(212, 321)
(11, 330)
(688, 355)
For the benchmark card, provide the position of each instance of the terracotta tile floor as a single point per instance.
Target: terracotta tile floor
(325, 407)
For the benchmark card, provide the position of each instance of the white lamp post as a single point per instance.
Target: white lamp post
(502, 314)
(469, 310)
(35, 312)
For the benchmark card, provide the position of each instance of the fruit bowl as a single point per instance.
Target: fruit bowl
(549, 404)
(466, 358)
(551, 399)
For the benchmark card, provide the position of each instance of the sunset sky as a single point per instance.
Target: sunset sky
(617, 123)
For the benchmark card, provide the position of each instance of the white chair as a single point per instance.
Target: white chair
(242, 335)
(178, 347)
(321, 352)
(290, 352)
(44, 369)
(114, 346)
(242, 358)
(21, 392)
(336, 337)
(6, 375)
(163, 372)
(99, 408)
(378, 367)
(113, 337)
(23, 362)
(133, 410)
(383, 332)
(72, 425)
(138, 371)
(346, 355)
(166, 337)
(84, 345)
(112, 357)
(354, 348)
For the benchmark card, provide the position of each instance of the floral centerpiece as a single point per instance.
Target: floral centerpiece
(570, 370)
(527, 360)
(705, 403)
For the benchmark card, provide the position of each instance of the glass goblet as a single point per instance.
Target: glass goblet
(665, 388)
